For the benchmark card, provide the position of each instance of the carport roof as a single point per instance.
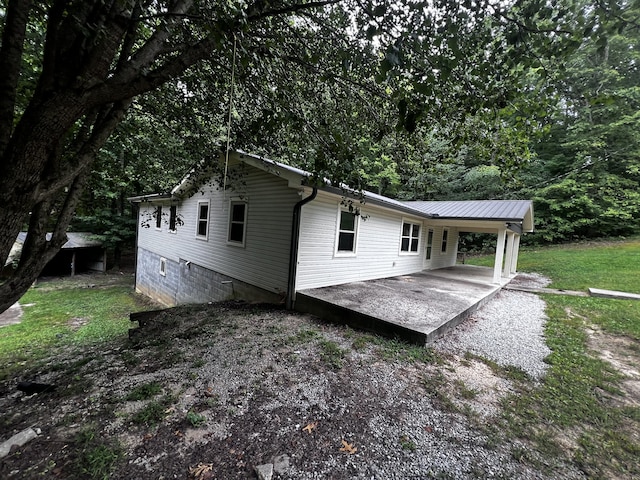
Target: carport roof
(520, 211)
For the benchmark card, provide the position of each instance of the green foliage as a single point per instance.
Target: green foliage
(588, 165)
(144, 391)
(608, 265)
(332, 353)
(66, 315)
(573, 397)
(195, 419)
(153, 412)
(97, 456)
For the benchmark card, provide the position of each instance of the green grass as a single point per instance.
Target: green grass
(153, 412)
(613, 266)
(66, 316)
(144, 391)
(97, 457)
(573, 396)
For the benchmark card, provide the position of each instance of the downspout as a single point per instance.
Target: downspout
(293, 250)
(135, 210)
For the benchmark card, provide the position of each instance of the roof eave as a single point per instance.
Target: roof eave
(151, 197)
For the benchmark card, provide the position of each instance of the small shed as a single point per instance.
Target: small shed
(82, 253)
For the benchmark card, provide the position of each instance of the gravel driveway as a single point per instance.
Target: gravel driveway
(287, 394)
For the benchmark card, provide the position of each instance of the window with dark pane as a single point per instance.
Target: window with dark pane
(445, 239)
(203, 219)
(410, 237)
(172, 217)
(347, 232)
(237, 224)
(159, 216)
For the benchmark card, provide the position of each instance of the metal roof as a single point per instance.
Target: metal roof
(520, 211)
(507, 210)
(74, 240)
(341, 189)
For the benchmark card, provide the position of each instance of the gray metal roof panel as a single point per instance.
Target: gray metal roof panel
(74, 240)
(515, 210)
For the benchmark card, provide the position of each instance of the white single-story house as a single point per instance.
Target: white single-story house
(270, 233)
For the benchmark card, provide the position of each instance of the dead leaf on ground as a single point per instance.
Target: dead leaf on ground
(310, 427)
(348, 447)
(202, 470)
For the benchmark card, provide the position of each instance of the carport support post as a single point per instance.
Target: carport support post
(514, 255)
(497, 267)
(508, 260)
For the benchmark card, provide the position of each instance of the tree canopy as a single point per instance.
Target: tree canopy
(348, 88)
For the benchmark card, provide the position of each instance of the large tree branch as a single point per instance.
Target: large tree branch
(287, 9)
(13, 35)
(85, 148)
(149, 52)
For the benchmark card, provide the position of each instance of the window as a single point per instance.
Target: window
(429, 244)
(410, 237)
(163, 267)
(203, 220)
(172, 218)
(237, 222)
(347, 232)
(445, 239)
(159, 217)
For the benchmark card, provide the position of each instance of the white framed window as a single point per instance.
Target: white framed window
(173, 213)
(158, 215)
(163, 266)
(445, 239)
(237, 223)
(202, 226)
(347, 235)
(410, 237)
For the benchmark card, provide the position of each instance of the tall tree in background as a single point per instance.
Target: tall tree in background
(588, 166)
(72, 68)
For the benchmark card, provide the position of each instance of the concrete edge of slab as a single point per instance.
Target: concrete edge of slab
(597, 292)
(461, 317)
(344, 316)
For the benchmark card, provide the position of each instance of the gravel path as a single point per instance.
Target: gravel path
(274, 388)
(508, 330)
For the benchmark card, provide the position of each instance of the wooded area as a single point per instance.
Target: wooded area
(413, 99)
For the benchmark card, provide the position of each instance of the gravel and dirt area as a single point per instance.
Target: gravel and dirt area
(214, 391)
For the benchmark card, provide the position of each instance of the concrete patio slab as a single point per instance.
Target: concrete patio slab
(417, 307)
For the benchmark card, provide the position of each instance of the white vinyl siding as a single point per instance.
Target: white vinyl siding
(440, 259)
(264, 261)
(378, 246)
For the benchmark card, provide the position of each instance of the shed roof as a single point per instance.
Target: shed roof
(74, 240)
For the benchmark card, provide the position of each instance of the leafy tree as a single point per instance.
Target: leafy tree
(73, 68)
(588, 165)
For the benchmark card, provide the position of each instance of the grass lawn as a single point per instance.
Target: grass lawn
(66, 315)
(574, 405)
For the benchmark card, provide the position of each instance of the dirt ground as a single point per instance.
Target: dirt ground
(214, 391)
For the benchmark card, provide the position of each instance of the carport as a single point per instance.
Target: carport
(416, 308)
(506, 219)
